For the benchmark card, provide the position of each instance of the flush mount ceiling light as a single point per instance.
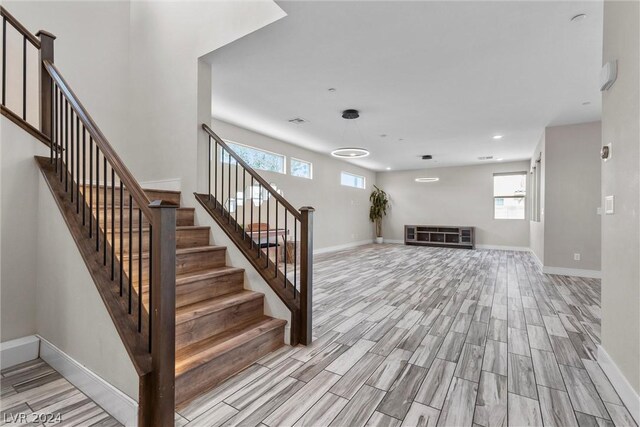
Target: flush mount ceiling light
(388, 168)
(350, 153)
(579, 17)
(427, 179)
(497, 136)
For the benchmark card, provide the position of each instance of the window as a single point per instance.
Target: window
(351, 180)
(256, 158)
(301, 168)
(509, 192)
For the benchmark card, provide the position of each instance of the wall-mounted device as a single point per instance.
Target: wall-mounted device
(608, 75)
(605, 152)
(609, 205)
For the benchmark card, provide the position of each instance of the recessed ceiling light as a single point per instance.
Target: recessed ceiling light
(425, 179)
(350, 153)
(500, 159)
(332, 89)
(383, 135)
(579, 17)
(497, 136)
(586, 103)
(388, 168)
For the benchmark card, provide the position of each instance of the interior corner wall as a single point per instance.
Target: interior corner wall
(572, 196)
(341, 216)
(462, 196)
(536, 228)
(620, 178)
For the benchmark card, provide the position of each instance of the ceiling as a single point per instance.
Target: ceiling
(439, 78)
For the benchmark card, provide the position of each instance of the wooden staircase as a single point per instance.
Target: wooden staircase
(220, 326)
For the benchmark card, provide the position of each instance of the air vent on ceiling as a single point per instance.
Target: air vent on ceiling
(427, 157)
(485, 158)
(297, 121)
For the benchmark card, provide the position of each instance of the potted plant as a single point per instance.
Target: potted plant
(378, 210)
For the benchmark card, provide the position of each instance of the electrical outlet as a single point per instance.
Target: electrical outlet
(576, 257)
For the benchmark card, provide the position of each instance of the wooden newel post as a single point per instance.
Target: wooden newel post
(163, 314)
(46, 84)
(306, 274)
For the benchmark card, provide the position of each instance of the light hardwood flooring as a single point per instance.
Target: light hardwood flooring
(417, 336)
(34, 389)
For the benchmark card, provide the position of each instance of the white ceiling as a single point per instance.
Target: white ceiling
(442, 76)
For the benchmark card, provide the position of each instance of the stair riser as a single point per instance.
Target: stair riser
(209, 325)
(187, 263)
(209, 375)
(192, 237)
(185, 238)
(152, 195)
(209, 288)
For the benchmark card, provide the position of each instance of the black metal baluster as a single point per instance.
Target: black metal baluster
(71, 150)
(4, 60)
(139, 270)
(209, 176)
(266, 264)
(244, 204)
(150, 283)
(113, 224)
(120, 245)
(97, 198)
(52, 141)
(260, 221)
(104, 240)
(77, 165)
(235, 197)
(222, 182)
(55, 125)
(215, 172)
(276, 263)
(229, 191)
(90, 186)
(251, 204)
(130, 250)
(84, 174)
(286, 248)
(295, 256)
(24, 78)
(66, 146)
(61, 129)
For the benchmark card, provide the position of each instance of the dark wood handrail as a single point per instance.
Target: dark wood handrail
(254, 174)
(25, 125)
(107, 150)
(19, 27)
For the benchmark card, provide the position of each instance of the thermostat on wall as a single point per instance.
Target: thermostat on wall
(608, 205)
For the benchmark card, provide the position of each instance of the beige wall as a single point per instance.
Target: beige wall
(536, 228)
(463, 196)
(620, 232)
(342, 213)
(18, 235)
(572, 196)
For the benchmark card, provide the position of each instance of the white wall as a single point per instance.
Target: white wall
(620, 177)
(342, 213)
(572, 196)
(536, 228)
(69, 310)
(462, 196)
(18, 230)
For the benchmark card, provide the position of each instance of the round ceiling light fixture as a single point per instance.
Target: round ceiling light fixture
(427, 179)
(498, 136)
(350, 114)
(579, 17)
(350, 153)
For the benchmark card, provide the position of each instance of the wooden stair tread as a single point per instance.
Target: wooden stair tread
(182, 251)
(203, 308)
(183, 279)
(210, 348)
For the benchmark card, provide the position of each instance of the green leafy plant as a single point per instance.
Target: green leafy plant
(379, 204)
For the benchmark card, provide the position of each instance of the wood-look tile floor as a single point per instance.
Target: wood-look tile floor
(417, 336)
(34, 394)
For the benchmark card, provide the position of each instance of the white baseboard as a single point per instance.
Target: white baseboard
(112, 400)
(173, 184)
(629, 397)
(577, 272)
(396, 242)
(19, 351)
(536, 259)
(341, 247)
(504, 248)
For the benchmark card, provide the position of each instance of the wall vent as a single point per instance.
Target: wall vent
(297, 121)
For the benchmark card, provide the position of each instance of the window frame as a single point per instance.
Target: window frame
(284, 157)
(523, 197)
(364, 180)
(292, 159)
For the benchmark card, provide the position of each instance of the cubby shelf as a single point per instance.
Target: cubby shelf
(444, 236)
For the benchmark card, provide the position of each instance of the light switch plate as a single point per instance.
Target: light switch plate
(599, 210)
(609, 205)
